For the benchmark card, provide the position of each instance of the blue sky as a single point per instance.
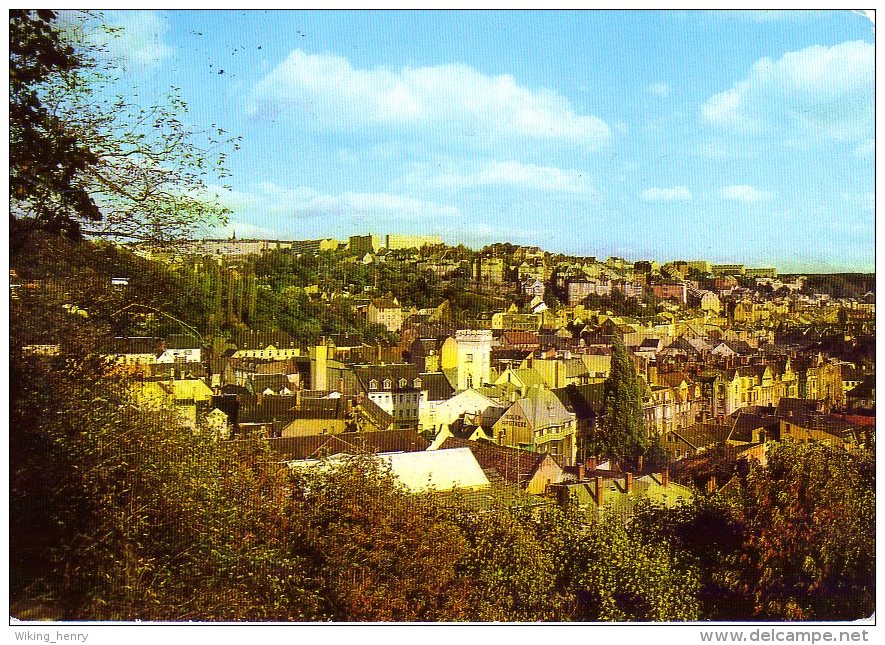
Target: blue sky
(731, 136)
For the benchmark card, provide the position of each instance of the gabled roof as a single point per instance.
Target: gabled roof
(746, 420)
(789, 407)
(437, 470)
(673, 379)
(261, 340)
(542, 408)
(393, 372)
(511, 465)
(437, 386)
(522, 377)
(275, 382)
(132, 345)
(864, 390)
(264, 409)
(317, 446)
(650, 344)
(511, 337)
(584, 400)
(702, 435)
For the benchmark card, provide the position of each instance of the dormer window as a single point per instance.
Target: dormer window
(418, 383)
(373, 384)
(387, 384)
(403, 382)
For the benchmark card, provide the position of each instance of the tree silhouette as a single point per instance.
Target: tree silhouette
(623, 434)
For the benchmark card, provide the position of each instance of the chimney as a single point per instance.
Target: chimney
(598, 490)
(665, 477)
(628, 483)
(580, 472)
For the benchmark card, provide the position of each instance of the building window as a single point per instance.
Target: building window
(418, 383)
(373, 384)
(387, 384)
(403, 382)
(468, 358)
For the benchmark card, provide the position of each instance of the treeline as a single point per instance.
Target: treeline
(840, 285)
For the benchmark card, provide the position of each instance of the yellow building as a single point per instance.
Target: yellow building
(395, 242)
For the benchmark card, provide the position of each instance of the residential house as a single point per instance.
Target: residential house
(132, 350)
(670, 291)
(863, 396)
(395, 388)
(319, 446)
(539, 422)
(180, 348)
(441, 407)
(275, 345)
(386, 312)
(332, 416)
(532, 473)
(605, 492)
(190, 397)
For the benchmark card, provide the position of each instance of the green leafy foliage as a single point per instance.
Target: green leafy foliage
(87, 159)
(810, 519)
(46, 155)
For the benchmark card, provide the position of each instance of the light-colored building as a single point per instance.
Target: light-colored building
(474, 347)
(365, 243)
(539, 422)
(386, 312)
(396, 241)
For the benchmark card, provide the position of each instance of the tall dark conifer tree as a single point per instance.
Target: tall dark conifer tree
(623, 434)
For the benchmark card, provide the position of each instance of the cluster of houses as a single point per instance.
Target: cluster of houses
(509, 411)
(509, 405)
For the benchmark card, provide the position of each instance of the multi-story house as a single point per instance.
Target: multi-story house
(490, 271)
(395, 388)
(133, 350)
(386, 312)
(276, 345)
(670, 291)
(671, 407)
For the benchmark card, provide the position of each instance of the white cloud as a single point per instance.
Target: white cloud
(866, 150)
(266, 199)
(453, 100)
(828, 91)
(141, 43)
(865, 202)
(675, 194)
(659, 89)
(513, 173)
(744, 193)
